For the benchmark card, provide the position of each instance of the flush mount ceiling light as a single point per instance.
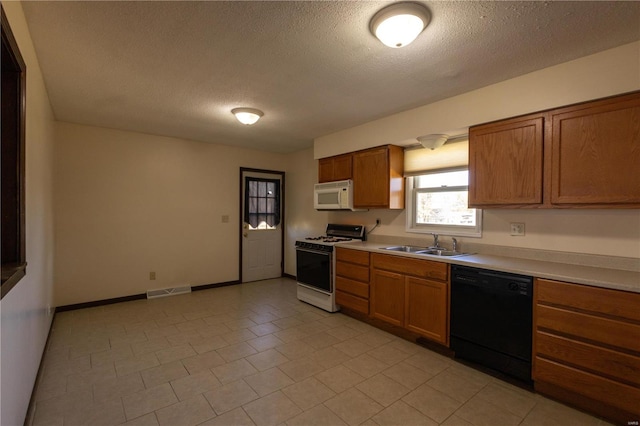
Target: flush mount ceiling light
(399, 24)
(432, 141)
(247, 116)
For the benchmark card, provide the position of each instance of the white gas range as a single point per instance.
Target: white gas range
(316, 264)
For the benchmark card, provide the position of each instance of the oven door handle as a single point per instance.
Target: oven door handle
(326, 253)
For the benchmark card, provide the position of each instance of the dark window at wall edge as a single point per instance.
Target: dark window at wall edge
(12, 161)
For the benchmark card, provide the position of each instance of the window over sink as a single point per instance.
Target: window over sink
(437, 202)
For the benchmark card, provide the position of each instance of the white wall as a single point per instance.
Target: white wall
(606, 232)
(129, 203)
(24, 310)
(601, 232)
(603, 74)
(302, 219)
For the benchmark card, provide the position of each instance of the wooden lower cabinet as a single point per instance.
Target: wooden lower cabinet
(387, 299)
(587, 348)
(352, 279)
(411, 293)
(426, 304)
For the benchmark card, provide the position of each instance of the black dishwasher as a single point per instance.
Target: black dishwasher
(491, 317)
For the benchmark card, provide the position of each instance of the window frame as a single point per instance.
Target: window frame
(14, 263)
(276, 214)
(450, 230)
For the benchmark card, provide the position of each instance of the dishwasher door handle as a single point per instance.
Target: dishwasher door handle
(509, 277)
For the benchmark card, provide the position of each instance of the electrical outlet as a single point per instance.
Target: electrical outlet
(517, 229)
(225, 218)
(377, 221)
(152, 275)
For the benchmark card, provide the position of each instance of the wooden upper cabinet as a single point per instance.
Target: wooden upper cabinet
(378, 180)
(596, 152)
(580, 156)
(505, 162)
(331, 169)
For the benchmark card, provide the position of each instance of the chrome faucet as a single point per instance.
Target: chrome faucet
(436, 243)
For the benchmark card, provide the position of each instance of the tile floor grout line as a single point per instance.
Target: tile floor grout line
(355, 341)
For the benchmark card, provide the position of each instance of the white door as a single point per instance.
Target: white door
(262, 230)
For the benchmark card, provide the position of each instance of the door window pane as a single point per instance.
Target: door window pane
(262, 203)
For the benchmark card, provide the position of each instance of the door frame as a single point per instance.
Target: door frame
(241, 215)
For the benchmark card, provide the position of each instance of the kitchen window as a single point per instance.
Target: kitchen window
(438, 203)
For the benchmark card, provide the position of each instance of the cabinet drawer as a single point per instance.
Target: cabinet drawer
(355, 272)
(598, 388)
(352, 302)
(616, 303)
(611, 363)
(352, 256)
(356, 288)
(413, 267)
(590, 327)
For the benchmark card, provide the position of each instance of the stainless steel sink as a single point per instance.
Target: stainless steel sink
(425, 250)
(406, 249)
(448, 253)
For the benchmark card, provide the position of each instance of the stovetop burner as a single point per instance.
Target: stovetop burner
(328, 239)
(336, 233)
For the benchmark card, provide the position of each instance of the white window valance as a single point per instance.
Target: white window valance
(453, 154)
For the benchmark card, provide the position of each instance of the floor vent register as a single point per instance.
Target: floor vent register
(163, 292)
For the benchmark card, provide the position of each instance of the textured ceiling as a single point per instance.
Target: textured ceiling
(178, 68)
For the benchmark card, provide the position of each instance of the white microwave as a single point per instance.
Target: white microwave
(333, 195)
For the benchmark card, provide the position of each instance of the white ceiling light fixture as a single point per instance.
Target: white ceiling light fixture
(247, 116)
(433, 141)
(399, 24)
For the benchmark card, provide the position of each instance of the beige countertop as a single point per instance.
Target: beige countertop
(587, 275)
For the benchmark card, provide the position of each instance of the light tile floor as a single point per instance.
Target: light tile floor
(252, 354)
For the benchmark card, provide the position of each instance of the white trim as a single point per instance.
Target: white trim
(449, 230)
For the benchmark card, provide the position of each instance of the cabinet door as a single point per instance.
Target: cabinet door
(371, 178)
(596, 152)
(325, 170)
(387, 296)
(342, 169)
(505, 162)
(331, 169)
(427, 309)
